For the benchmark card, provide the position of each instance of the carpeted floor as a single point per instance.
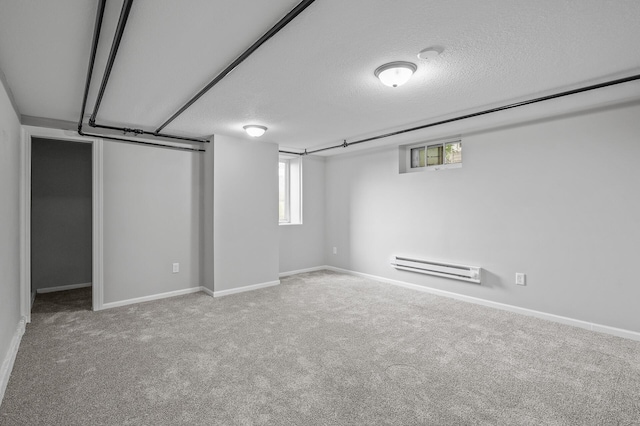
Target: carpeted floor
(320, 349)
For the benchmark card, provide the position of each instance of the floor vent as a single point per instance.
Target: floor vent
(449, 270)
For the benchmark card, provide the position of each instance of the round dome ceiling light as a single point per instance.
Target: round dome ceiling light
(254, 130)
(395, 74)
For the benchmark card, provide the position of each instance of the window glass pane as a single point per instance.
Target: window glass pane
(418, 157)
(434, 155)
(282, 191)
(453, 153)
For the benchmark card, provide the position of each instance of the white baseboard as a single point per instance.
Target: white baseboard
(188, 291)
(152, 297)
(619, 332)
(245, 288)
(62, 288)
(10, 357)
(33, 298)
(302, 271)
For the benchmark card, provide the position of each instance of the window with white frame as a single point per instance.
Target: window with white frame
(432, 156)
(290, 190)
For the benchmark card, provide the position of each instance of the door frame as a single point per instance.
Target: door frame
(97, 278)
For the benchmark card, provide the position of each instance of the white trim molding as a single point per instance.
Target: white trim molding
(25, 225)
(619, 332)
(206, 291)
(302, 271)
(10, 357)
(245, 288)
(151, 297)
(97, 261)
(25, 212)
(62, 288)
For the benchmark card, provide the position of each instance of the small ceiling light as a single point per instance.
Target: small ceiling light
(395, 74)
(430, 53)
(254, 130)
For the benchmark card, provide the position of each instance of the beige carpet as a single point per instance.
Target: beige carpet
(320, 349)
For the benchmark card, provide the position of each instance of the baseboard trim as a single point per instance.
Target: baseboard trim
(619, 332)
(302, 271)
(206, 290)
(62, 288)
(152, 297)
(10, 357)
(245, 288)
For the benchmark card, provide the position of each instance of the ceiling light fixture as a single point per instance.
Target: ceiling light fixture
(395, 74)
(430, 53)
(254, 130)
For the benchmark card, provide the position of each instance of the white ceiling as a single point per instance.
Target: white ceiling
(312, 84)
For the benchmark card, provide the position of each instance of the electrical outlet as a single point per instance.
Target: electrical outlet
(176, 268)
(521, 278)
(335, 250)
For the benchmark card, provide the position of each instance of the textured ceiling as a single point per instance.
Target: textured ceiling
(312, 84)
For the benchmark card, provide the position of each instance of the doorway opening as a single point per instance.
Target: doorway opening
(61, 224)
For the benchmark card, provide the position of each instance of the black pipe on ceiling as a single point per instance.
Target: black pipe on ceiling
(140, 142)
(346, 144)
(266, 36)
(122, 22)
(124, 15)
(144, 132)
(92, 59)
(117, 38)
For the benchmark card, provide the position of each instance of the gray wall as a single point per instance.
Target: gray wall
(207, 266)
(61, 184)
(556, 199)
(245, 212)
(302, 246)
(152, 216)
(9, 222)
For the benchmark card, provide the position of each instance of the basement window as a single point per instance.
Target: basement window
(431, 156)
(290, 190)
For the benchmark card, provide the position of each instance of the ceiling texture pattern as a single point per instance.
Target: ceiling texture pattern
(312, 84)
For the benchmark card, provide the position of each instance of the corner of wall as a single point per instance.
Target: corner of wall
(11, 324)
(7, 89)
(10, 357)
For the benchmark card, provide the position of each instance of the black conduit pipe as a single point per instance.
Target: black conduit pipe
(117, 38)
(346, 144)
(92, 59)
(139, 142)
(144, 132)
(266, 36)
(122, 22)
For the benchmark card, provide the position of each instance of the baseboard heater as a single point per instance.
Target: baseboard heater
(449, 270)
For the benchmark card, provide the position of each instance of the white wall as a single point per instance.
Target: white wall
(302, 246)
(245, 213)
(61, 208)
(152, 216)
(556, 199)
(9, 228)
